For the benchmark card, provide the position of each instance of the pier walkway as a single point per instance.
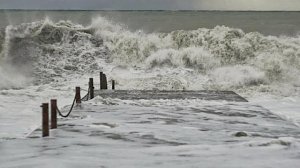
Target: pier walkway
(108, 133)
(171, 94)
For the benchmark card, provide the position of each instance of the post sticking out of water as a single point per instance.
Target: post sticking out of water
(113, 84)
(91, 86)
(77, 95)
(53, 113)
(45, 119)
(103, 81)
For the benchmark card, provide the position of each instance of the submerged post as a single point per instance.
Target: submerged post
(45, 119)
(91, 86)
(113, 84)
(77, 95)
(53, 113)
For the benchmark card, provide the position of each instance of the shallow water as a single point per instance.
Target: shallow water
(164, 133)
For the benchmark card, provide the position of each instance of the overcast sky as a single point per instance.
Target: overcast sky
(153, 4)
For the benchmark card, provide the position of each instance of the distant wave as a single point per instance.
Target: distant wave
(230, 58)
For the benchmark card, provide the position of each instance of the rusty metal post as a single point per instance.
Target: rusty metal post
(91, 86)
(77, 95)
(113, 84)
(101, 80)
(45, 119)
(53, 113)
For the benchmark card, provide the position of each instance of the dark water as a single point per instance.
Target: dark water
(268, 23)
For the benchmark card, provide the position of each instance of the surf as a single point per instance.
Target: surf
(222, 57)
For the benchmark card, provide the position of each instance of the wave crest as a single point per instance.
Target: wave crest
(229, 57)
(47, 50)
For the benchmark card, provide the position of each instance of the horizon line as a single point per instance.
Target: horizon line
(127, 10)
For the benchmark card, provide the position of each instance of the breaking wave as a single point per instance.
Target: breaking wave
(219, 58)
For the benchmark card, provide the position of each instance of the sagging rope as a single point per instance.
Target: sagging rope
(71, 109)
(85, 98)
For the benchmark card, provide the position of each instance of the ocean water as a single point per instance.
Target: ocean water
(45, 54)
(267, 23)
(222, 50)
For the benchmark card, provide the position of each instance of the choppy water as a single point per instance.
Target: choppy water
(208, 54)
(164, 133)
(45, 54)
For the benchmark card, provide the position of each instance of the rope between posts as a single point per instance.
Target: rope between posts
(71, 109)
(85, 98)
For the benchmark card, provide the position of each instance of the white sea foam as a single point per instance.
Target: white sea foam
(229, 58)
(250, 59)
(10, 78)
(219, 58)
(59, 56)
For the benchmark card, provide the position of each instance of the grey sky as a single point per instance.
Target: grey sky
(153, 4)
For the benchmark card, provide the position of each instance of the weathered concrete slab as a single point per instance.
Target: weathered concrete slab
(163, 94)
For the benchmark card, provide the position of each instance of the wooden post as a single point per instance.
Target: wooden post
(101, 80)
(53, 114)
(104, 82)
(91, 86)
(113, 84)
(45, 119)
(77, 95)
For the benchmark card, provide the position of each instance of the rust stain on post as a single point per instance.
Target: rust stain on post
(45, 119)
(53, 113)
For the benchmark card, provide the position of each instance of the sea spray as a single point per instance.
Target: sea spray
(190, 57)
(10, 75)
(47, 50)
(218, 58)
(237, 76)
(2, 39)
(255, 59)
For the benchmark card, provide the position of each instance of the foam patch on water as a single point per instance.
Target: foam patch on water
(237, 76)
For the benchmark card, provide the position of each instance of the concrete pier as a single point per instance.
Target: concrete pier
(163, 94)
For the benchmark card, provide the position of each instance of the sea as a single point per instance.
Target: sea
(46, 54)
